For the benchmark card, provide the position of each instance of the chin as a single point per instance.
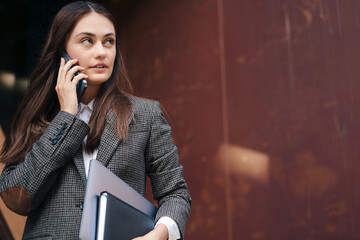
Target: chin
(98, 79)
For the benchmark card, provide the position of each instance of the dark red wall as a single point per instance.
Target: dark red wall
(262, 97)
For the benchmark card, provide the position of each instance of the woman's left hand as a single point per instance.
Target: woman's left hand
(159, 233)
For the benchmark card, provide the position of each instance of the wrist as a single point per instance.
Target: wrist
(69, 110)
(162, 231)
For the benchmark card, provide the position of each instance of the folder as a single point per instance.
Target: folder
(119, 220)
(101, 179)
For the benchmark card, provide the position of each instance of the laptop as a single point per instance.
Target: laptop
(101, 179)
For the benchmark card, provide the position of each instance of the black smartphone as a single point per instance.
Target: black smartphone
(82, 84)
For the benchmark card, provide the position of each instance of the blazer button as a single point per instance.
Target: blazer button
(57, 137)
(81, 206)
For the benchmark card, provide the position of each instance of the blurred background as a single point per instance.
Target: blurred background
(262, 97)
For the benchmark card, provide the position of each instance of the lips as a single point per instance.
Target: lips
(99, 66)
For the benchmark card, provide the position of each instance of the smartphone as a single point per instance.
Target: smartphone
(82, 84)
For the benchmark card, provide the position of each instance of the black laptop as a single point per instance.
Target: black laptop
(100, 180)
(119, 220)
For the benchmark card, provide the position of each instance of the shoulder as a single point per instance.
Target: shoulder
(144, 106)
(145, 112)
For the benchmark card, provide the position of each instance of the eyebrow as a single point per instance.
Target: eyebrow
(93, 35)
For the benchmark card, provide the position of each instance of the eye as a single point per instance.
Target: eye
(86, 41)
(109, 42)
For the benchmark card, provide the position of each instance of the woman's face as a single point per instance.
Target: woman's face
(92, 42)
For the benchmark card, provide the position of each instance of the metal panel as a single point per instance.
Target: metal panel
(262, 97)
(172, 53)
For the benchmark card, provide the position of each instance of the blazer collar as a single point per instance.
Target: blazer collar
(109, 140)
(108, 144)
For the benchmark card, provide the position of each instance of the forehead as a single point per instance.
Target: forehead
(94, 23)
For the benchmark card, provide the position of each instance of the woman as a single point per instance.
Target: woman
(52, 137)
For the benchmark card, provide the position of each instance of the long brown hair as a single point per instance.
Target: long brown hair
(40, 103)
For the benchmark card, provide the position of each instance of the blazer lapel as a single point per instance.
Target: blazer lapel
(109, 140)
(79, 163)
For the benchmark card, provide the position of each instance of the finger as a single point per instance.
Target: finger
(72, 78)
(69, 64)
(78, 77)
(74, 70)
(69, 86)
(64, 68)
(60, 74)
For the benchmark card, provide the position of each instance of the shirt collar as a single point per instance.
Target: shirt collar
(89, 106)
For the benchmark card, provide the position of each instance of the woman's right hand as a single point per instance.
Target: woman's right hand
(66, 85)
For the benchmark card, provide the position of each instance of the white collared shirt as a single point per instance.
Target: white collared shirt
(84, 114)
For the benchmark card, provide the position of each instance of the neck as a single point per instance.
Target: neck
(90, 93)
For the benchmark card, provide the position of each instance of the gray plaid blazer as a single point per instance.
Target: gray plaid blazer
(49, 186)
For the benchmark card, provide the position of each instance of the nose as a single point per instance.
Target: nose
(99, 50)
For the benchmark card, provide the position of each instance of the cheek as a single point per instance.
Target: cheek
(75, 52)
(113, 57)
(113, 60)
(83, 60)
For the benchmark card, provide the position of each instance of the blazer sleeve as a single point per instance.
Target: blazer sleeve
(166, 174)
(24, 186)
